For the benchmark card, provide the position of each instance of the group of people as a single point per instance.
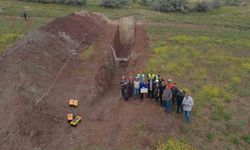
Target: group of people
(154, 87)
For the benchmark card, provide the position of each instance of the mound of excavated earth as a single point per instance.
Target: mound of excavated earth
(29, 67)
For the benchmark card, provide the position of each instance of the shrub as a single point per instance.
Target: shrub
(203, 6)
(216, 4)
(171, 5)
(233, 2)
(146, 2)
(65, 2)
(173, 144)
(246, 138)
(115, 3)
(210, 136)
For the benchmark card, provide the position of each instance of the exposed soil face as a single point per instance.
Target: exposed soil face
(28, 68)
(122, 50)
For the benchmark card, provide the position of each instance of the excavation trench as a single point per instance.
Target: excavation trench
(32, 63)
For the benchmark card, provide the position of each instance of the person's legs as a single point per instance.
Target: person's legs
(135, 93)
(167, 106)
(187, 116)
(161, 102)
(178, 108)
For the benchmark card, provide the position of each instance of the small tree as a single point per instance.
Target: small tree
(146, 2)
(171, 5)
(233, 2)
(216, 4)
(115, 3)
(203, 6)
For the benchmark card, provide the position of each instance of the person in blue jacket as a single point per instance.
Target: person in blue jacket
(143, 85)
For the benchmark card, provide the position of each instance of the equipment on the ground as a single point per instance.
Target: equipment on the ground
(70, 117)
(73, 102)
(76, 121)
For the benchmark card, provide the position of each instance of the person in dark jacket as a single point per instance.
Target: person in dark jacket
(124, 87)
(162, 87)
(156, 89)
(150, 87)
(179, 99)
(174, 93)
(131, 87)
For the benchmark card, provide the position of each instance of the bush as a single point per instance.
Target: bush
(146, 2)
(203, 6)
(216, 4)
(65, 2)
(173, 144)
(171, 5)
(233, 2)
(115, 3)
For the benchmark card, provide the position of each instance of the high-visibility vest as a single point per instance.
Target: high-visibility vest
(151, 75)
(156, 77)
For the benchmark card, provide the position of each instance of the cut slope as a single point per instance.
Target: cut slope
(28, 69)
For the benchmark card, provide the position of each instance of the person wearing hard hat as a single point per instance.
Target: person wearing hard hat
(187, 106)
(170, 84)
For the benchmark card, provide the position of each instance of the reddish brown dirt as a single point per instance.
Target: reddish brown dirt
(30, 65)
(74, 25)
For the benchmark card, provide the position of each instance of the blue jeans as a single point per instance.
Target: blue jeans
(187, 116)
(167, 106)
(136, 92)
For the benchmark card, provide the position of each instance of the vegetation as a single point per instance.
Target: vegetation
(173, 144)
(115, 3)
(65, 2)
(87, 52)
(171, 5)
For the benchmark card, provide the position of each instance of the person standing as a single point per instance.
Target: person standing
(156, 89)
(136, 87)
(25, 13)
(150, 87)
(131, 87)
(179, 100)
(174, 90)
(187, 106)
(162, 87)
(123, 85)
(167, 96)
(143, 89)
(141, 76)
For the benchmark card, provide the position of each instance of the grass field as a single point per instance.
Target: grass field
(208, 54)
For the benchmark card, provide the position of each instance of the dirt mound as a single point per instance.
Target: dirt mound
(84, 27)
(28, 68)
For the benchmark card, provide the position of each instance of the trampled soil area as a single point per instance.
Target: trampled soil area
(29, 67)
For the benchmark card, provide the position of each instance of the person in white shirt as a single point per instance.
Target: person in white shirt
(187, 106)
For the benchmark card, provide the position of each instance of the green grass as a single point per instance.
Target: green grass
(87, 52)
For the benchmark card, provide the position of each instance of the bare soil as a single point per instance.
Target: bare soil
(28, 68)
